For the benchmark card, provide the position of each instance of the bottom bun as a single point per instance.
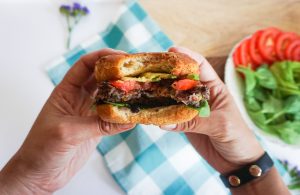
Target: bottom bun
(157, 116)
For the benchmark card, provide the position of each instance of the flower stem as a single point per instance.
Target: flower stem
(70, 29)
(69, 39)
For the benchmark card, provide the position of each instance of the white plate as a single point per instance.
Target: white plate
(235, 85)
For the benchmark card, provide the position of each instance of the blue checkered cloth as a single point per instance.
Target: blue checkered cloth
(146, 160)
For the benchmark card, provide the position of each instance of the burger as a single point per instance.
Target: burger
(150, 88)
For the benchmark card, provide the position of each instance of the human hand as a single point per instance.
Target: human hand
(223, 139)
(64, 135)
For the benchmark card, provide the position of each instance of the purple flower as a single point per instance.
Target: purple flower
(85, 10)
(73, 14)
(76, 6)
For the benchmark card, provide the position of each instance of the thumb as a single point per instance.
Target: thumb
(107, 128)
(84, 128)
(196, 125)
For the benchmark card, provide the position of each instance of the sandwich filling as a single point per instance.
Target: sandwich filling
(152, 90)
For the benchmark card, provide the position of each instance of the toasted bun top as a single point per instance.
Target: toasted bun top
(116, 66)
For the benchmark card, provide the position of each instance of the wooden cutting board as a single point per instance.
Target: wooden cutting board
(213, 27)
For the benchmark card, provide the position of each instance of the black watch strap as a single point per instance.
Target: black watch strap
(248, 172)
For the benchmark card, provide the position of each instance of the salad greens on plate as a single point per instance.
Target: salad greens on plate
(272, 98)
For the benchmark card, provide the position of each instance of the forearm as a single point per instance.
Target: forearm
(270, 183)
(14, 179)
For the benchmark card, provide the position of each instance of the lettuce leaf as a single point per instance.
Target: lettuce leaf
(272, 99)
(204, 109)
(195, 77)
(118, 104)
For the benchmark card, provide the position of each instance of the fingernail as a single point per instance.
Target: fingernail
(169, 127)
(128, 126)
(120, 51)
(172, 48)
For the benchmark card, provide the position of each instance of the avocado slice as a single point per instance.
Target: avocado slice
(150, 77)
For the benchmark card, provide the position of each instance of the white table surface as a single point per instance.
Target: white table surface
(32, 34)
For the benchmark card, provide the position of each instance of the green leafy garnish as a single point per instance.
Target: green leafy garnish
(250, 80)
(204, 109)
(195, 77)
(272, 99)
(118, 104)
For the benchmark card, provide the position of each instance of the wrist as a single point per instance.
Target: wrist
(238, 152)
(248, 155)
(15, 178)
(245, 148)
(269, 183)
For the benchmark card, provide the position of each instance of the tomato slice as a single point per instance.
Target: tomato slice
(289, 50)
(254, 53)
(296, 54)
(184, 84)
(125, 85)
(282, 42)
(266, 44)
(236, 59)
(243, 54)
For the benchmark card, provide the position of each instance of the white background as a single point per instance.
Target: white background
(32, 34)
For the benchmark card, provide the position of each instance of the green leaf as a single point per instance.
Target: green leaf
(288, 131)
(252, 104)
(257, 117)
(204, 109)
(266, 78)
(117, 104)
(193, 77)
(287, 77)
(289, 91)
(260, 93)
(250, 80)
(292, 105)
(294, 186)
(272, 99)
(297, 117)
(272, 105)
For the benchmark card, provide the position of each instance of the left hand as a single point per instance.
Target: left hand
(64, 135)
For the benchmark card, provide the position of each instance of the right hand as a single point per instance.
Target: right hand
(64, 135)
(223, 139)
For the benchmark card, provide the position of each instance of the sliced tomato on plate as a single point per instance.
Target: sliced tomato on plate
(236, 59)
(266, 44)
(125, 85)
(243, 54)
(254, 53)
(289, 52)
(282, 41)
(296, 54)
(184, 84)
